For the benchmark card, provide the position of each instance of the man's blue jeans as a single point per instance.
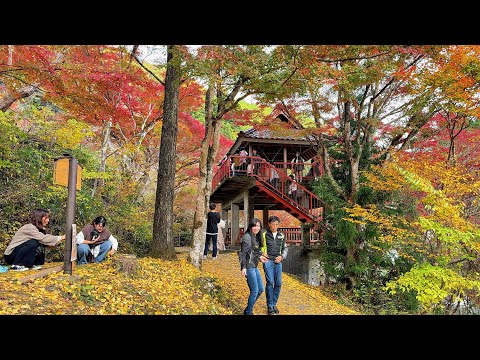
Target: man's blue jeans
(84, 249)
(273, 277)
(214, 243)
(255, 284)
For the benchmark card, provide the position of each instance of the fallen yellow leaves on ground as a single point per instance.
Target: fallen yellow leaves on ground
(160, 287)
(296, 297)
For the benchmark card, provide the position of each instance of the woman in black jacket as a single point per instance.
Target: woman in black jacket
(250, 254)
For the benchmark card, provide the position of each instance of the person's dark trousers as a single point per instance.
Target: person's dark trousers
(214, 243)
(27, 254)
(274, 182)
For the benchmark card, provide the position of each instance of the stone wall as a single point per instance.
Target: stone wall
(303, 262)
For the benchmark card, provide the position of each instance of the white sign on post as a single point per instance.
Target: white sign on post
(73, 257)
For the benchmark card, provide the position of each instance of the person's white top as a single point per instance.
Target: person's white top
(297, 160)
(96, 250)
(274, 174)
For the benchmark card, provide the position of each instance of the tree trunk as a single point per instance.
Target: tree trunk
(126, 264)
(209, 149)
(106, 131)
(163, 241)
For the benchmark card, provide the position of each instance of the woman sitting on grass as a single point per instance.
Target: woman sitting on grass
(27, 248)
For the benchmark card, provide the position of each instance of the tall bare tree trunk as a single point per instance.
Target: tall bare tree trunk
(163, 241)
(10, 55)
(106, 132)
(209, 149)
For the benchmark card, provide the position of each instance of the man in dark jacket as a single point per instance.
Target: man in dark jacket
(213, 218)
(275, 248)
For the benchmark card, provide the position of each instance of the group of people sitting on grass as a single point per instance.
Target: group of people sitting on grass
(26, 251)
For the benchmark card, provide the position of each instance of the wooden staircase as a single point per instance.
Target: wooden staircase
(305, 206)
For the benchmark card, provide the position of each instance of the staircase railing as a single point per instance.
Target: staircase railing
(257, 167)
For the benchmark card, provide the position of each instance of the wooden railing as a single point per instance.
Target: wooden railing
(262, 170)
(293, 236)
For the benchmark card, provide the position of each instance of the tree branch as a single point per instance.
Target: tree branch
(148, 70)
(393, 79)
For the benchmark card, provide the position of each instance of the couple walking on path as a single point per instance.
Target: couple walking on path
(266, 246)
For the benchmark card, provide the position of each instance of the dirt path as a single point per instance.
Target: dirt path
(296, 297)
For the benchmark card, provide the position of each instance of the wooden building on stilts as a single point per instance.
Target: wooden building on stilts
(262, 177)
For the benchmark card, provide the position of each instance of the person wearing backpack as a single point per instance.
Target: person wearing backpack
(249, 256)
(273, 245)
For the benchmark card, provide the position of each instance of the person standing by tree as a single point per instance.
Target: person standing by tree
(213, 218)
(95, 239)
(27, 248)
(273, 245)
(250, 254)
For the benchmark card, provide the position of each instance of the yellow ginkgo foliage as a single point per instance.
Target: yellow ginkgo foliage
(442, 230)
